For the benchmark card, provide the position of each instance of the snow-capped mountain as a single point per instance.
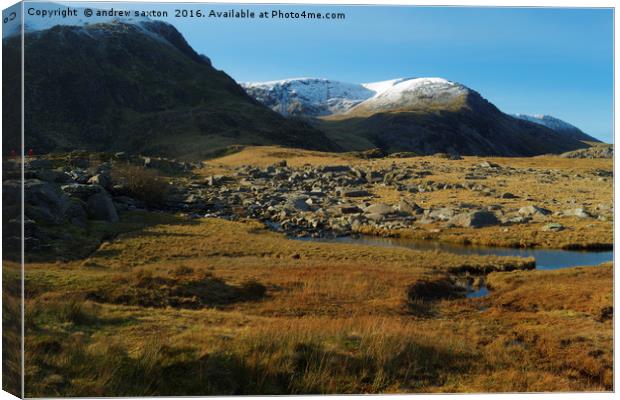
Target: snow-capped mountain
(33, 23)
(411, 93)
(140, 88)
(96, 25)
(546, 120)
(308, 96)
(557, 125)
(425, 115)
(321, 97)
(316, 97)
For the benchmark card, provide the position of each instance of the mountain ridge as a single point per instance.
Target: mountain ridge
(428, 115)
(307, 96)
(116, 87)
(377, 90)
(557, 125)
(141, 87)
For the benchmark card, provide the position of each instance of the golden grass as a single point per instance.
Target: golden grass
(334, 320)
(266, 155)
(11, 328)
(135, 317)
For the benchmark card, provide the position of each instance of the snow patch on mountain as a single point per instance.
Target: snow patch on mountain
(547, 120)
(320, 97)
(411, 93)
(34, 23)
(308, 96)
(382, 86)
(557, 125)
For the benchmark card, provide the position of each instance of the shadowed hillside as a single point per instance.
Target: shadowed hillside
(468, 124)
(139, 88)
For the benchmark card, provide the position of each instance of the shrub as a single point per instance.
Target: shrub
(74, 309)
(182, 287)
(253, 290)
(76, 312)
(182, 270)
(143, 184)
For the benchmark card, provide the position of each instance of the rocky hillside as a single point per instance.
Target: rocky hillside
(139, 87)
(599, 150)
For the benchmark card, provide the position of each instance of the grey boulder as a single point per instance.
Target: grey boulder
(379, 209)
(101, 207)
(475, 219)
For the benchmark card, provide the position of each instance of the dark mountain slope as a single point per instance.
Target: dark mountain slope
(140, 88)
(467, 124)
(559, 126)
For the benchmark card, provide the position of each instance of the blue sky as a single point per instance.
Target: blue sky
(525, 60)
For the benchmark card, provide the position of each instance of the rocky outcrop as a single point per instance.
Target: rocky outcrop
(306, 201)
(67, 191)
(598, 151)
(475, 219)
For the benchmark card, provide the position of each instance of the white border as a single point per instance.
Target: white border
(483, 3)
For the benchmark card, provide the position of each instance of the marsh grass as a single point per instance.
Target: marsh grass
(208, 306)
(302, 358)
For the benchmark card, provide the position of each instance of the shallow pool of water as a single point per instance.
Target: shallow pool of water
(546, 259)
(480, 292)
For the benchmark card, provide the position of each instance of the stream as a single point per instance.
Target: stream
(546, 259)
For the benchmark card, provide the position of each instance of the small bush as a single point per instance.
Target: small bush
(143, 184)
(76, 312)
(182, 270)
(422, 294)
(433, 290)
(182, 287)
(253, 290)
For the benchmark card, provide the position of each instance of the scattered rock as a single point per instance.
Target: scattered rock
(75, 213)
(597, 151)
(100, 207)
(81, 191)
(379, 209)
(346, 209)
(407, 207)
(45, 195)
(578, 212)
(508, 195)
(534, 211)
(475, 219)
(553, 227)
(101, 180)
(356, 193)
(486, 164)
(442, 214)
(299, 204)
(335, 168)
